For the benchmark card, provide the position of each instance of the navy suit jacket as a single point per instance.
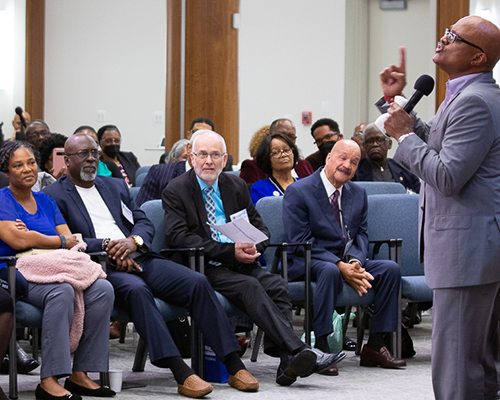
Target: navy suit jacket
(399, 174)
(114, 192)
(308, 217)
(157, 179)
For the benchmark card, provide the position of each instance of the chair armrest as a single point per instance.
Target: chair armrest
(395, 248)
(101, 257)
(195, 256)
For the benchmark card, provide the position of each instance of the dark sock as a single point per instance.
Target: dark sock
(376, 341)
(233, 363)
(321, 342)
(179, 368)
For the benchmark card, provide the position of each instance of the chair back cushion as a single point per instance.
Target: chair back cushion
(381, 187)
(271, 211)
(154, 212)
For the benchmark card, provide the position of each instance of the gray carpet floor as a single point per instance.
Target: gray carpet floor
(353, 381)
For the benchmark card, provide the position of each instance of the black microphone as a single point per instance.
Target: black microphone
(19, 111)
(423, 87)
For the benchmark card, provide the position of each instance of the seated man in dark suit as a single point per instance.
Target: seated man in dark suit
(100, 208)
(205, 195)
(329, 211)
(326, 133)
(251, 173)
(377, 167)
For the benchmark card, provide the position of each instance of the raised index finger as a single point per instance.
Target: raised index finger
(402, 59)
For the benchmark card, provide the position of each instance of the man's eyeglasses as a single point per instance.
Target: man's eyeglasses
(281, 153)
(83, 154)
(328, 137)
(379, 141)
(215, 156)
(452, 37)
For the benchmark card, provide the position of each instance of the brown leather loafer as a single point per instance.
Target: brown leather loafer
(244, 381)
(372, 358)
(194, 387)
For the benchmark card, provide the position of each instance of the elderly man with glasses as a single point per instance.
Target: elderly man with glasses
(457, 156)
(377, 166)
(204, 195)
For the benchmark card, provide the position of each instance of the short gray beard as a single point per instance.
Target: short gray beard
(87, 177)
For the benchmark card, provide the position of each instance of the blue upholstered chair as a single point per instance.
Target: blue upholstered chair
(139, 179)
(142, 170)
(134, 191)
(397, 215)
(382, 187)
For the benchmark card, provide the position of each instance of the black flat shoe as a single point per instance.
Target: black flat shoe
(349, 344)
(41, 394)
(103, 391)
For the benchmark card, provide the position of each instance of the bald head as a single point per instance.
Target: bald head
(81, 159)
(487, 36)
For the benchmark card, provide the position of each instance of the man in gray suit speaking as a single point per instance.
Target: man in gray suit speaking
(457, 156)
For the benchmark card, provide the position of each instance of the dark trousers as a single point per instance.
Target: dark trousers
(329, 283)
(176, 285)
(265, 298)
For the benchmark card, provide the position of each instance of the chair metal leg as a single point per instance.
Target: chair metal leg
(360, 329)
(36, 340)
(12, 344)
(104, 378)
(123, 332)
(256, 345)
(141, 355)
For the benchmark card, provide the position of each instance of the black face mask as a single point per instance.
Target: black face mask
(326, 147)
(112, 150)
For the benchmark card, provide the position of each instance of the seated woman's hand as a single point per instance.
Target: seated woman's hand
(21, 225)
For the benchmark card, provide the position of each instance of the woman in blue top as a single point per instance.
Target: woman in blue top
(276, 157)
(45, 228)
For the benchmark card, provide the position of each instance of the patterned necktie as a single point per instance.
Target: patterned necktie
(210, 206)
(335, 206)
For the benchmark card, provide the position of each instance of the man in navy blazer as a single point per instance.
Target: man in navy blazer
(329, 211)
(100, 208)
(377, 166)
(457, 156)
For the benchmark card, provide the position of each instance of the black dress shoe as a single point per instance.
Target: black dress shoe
(325, 361)
(41, 394)
(349, 344)
(25, 363)
(302, 364)
(103, 391)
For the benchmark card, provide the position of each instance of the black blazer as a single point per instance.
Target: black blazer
(130, 164)
(186, 216)
(399, 173)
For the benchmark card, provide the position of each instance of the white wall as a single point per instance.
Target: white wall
(107, 55)
(291, 58)
(12, 60)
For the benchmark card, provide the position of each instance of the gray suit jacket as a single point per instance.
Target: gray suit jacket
(457, 155)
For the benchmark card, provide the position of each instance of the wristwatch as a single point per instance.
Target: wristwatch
(139, 242)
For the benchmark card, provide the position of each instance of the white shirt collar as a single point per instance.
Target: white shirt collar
(330, 189)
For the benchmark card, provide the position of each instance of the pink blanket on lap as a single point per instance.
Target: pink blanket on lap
(72, 267)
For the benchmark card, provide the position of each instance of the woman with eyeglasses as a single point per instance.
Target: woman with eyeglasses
(276, 157)
(32, 220)
(110, 140)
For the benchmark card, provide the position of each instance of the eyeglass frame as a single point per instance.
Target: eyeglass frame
(327, 138)
(93, 153)
(452, 37)
(379, 140)
(215, 156)
(281, 153)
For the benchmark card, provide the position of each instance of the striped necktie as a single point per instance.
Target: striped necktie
(210, 207)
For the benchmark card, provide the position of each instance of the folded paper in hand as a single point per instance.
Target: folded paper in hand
(241, 231)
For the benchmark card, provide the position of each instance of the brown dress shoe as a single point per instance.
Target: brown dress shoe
(372, 358)
(244, 381)
(243, 341)
(194, 387)
(115, 329)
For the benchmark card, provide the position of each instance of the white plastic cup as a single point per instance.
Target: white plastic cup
(115, 379)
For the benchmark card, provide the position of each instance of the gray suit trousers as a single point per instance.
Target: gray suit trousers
(465, 357)
(58, 303)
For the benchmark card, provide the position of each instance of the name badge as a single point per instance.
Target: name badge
(240, 214)
(127, 213)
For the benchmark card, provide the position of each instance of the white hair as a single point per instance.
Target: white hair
(202, 132)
